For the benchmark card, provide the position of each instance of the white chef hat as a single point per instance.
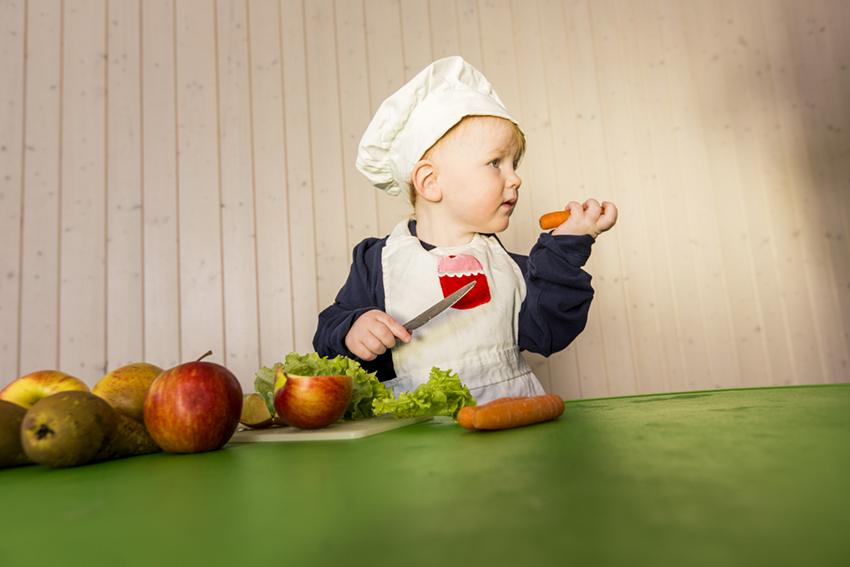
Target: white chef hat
(413, 118)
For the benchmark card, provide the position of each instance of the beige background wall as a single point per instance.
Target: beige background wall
(177, 176)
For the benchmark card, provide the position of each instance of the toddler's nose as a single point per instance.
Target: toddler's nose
(514, 180)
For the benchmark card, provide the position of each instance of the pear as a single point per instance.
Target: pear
(125, 388)
(128, 438)
(11, 452)
(67, 429)
(75, 428)
(255, 412)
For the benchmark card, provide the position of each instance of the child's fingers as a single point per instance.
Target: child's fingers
(592, 208)
(394, 327)
(359, 350)
(373, 344)
(609, 215)
(383, 334)
(576, 210)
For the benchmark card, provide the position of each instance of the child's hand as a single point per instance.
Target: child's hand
(590, 218)
(373, 333)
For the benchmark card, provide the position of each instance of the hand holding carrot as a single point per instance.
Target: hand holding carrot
(590, 217)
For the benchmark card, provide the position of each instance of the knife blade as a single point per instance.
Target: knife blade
(438, 307)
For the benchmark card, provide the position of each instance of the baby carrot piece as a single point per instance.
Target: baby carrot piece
(553, 219)
(517, 412)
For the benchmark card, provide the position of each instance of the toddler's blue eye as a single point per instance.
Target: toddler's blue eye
(495, 163)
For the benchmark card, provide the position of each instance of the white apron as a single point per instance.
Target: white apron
(477, 337)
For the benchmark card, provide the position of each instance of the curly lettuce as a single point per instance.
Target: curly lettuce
(442, 394)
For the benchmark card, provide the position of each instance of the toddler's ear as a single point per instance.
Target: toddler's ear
(424, 179)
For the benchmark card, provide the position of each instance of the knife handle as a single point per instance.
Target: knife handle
(553, 219)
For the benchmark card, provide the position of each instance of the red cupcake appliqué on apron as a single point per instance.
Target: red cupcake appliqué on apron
(456, 271)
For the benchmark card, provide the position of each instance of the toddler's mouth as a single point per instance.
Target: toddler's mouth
(509, 204)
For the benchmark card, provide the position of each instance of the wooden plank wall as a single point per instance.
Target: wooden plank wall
(177, 176)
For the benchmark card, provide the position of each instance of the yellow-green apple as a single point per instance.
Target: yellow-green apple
(125, 388)
(311, 402)
(28, 389)
(193, 407)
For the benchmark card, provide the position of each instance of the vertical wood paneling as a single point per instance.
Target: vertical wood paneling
(673, 276)
(82, 303)
(415, 36)
(12, 37)
(823, 111)
(644, 254)
(695, 262)
(443, 26)
(732, 274)
(199, 195)
(124, 305)
(302, 231)
(628, 323)
(39, 302)
(468, 29)
(179, 176)
(274, 276)
(352, 68)
(802, 261)
(162, 345)
(384, 47)
(237, 192)
(746, 97)
(332, 247)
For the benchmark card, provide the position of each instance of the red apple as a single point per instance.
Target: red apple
(311, 402)
(193, 407)
(28, 389)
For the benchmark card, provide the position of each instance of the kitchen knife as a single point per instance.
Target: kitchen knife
(438, 307)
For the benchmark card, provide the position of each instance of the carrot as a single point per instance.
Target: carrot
(553, 219)
(466, 413)
(505, 413)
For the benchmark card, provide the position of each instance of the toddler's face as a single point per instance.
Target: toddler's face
(476, 170)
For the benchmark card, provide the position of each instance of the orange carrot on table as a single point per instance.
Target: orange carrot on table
(466, 413)
(505, 413)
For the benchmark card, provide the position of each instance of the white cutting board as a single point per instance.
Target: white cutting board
(341, 430)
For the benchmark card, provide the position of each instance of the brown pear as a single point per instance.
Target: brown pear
(11, 452)
(128, 438)
(67, 429)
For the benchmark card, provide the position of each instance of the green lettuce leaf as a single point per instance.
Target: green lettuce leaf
(366, 389)
(264, 385)
(442, 394)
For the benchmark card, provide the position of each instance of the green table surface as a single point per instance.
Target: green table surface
(733, 477)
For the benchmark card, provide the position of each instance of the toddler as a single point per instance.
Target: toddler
(446, 138)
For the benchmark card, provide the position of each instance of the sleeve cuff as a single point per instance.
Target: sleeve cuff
(575, 250)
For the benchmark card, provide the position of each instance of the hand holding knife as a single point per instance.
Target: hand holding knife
(374, 332)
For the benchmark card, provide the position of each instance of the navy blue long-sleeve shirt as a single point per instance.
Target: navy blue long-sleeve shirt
(554, 312)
